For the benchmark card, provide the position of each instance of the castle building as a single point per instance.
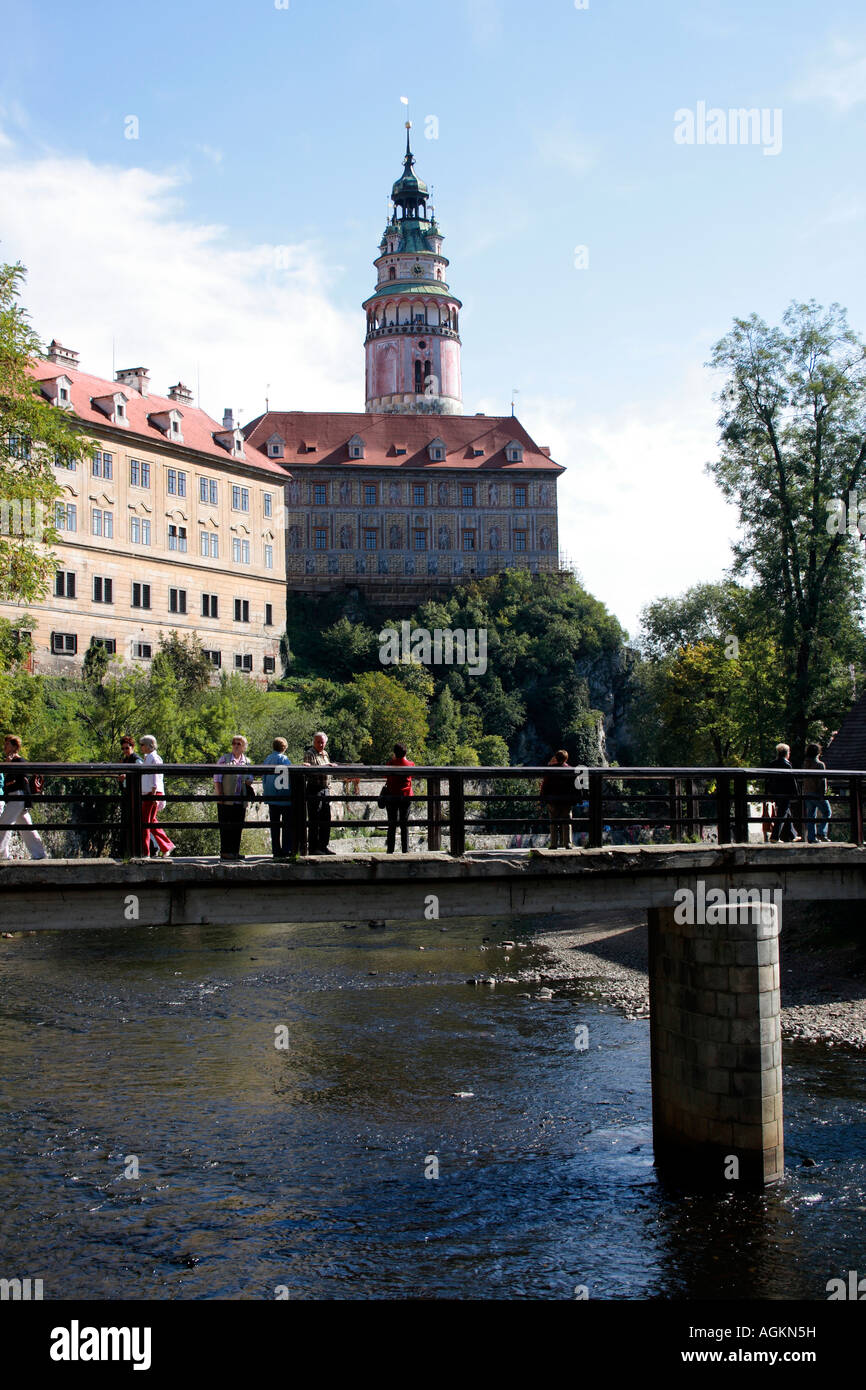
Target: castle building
(412, 496)
(172, 523)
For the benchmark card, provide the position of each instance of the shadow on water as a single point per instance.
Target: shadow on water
(314, 1166)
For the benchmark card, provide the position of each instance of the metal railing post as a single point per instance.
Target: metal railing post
(434, 813)
(741, 808)
(856, 801)
(723, 808)
(298, 815)
(596, 817)
(456, 815)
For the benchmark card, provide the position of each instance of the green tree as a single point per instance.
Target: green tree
(389, 713)
(32, 434)
(793, 450)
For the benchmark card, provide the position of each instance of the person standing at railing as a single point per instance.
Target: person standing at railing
(153, 799)
(318, 804)
(278, 798)
(16, 810)
(557, 793)
(232, 787)
(784, 791)
(398, 800)
(818, 810)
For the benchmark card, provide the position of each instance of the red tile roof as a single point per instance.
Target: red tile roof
(196, 425)
(383, 434)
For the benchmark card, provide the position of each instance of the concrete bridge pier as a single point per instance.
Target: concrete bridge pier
(716, 1042)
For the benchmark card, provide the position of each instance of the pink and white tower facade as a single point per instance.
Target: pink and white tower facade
(413, 342)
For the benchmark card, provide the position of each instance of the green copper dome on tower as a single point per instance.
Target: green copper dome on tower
(409, 190)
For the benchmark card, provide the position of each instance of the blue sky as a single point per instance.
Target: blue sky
(262, 128)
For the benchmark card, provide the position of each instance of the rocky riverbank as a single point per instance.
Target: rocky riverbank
(823, 975)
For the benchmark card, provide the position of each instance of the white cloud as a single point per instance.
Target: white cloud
(638, 516)
(839, 79)
(111, 254)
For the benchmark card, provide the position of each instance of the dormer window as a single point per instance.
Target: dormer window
(230, 440)
(112, 405)
(476, 453)
(436, 450)
(59, 391)
(356, 447)
(276, 447)
(513, 452)
(400, 448)
(308, 448)
(168, 422)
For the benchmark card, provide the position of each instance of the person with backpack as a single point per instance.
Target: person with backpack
(19, 792)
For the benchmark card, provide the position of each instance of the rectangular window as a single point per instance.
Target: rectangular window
(418, 498)
(519, 540)
(207, 491)
(177, 600)
(369, 540)
(468, 540)
(215, 658)
(139, 530)
(210, 606)
(269, 615)
(468, 495)
(240, 498)
(176, 482)
(139, 473)
(370, 498)
(19, 446)
(420, 540)
(103, 464)
(242, 610)
(64, 584)
(64, 643)
(320, 540)
(142, 650)
(320, 494)
(109, 643)
(519, 495)
(240, 551)
(214, 546)
(177, 538)
(65, 516)
(62, 461)
(209, 542)
(243, 663)
(269, 557)
(269, 665)
(102, 523)
(102, 590)
(140, 595)
(269, 503)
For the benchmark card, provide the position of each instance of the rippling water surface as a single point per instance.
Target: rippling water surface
(305, 1168)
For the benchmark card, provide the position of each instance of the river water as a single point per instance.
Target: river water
(286, 1095)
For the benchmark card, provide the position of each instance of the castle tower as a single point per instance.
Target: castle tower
(412, 343)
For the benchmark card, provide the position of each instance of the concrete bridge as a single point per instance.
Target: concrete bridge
(713, 912)
(713, 916)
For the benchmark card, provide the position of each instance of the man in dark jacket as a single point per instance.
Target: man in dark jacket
(557, 794)
(785, 792)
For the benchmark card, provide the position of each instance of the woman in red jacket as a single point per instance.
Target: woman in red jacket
(398, 799)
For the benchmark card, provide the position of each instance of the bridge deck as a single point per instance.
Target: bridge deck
(58, 894)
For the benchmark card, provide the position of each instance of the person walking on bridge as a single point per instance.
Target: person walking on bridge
(557, 793)
(278, 798)
(153, 800)
(232, 788)
(785, 792)
(318, 804)
(398, 800)
(16, 811)
(818, 810)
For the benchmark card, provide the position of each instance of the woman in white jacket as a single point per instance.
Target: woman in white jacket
(152, 798)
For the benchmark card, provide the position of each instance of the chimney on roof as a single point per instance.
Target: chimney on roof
(136, 377)
(64, 357)
(228, 419)
(180, 393)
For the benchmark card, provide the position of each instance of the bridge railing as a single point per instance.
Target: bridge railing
(96, 814)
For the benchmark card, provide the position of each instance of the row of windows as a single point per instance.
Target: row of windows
(66, 644)
(140, 533)
(103, 592)
(102, 466)
(371, 493)
(420, 540)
